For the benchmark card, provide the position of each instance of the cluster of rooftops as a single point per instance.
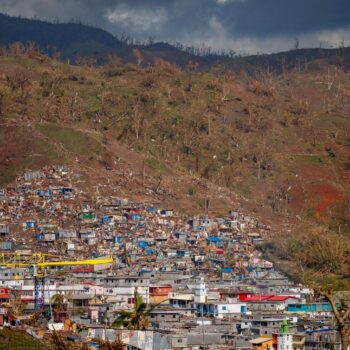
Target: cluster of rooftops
(212, 287)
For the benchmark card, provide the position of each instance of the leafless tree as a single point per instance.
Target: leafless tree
(18, 83)
(340, 303)
(138, 55)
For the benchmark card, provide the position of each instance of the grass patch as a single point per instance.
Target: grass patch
(309, 159)
(45, 150)
(11, 339)
(42, 153)
(243, 189)
(72, 140)
(12, 172)
(157, 165)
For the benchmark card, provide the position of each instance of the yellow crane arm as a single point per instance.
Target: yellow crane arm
(42, 263)
(73, 263)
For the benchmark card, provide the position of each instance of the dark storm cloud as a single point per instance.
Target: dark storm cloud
(242, 25)
(268, 17)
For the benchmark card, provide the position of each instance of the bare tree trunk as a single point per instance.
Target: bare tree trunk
(158, 184)
(207, 205)
(259, 169)
(209, 125)
(345, 337)
(341, 313)
(143, 174)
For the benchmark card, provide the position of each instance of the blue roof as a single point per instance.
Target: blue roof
(214, 239)
(320, 330)
(227, 269)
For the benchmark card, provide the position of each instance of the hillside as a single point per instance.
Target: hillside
(69, 39)
(276, 146)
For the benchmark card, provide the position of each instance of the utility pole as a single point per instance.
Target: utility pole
(203, 333)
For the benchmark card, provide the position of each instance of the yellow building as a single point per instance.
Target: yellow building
(262, 343)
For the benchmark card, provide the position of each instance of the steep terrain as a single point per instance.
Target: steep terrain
(275, 145)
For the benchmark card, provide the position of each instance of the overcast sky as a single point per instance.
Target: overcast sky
(246, 26)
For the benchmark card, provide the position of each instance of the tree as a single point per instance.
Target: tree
(115, 345)
(16, 49)
(340, 303)
(296, 44)
(137, 318)
(58, 301)
(137, 120)
(19, 81)
(32, 50)
(17, 307)
(138, 55)
(113, 61)
(2, 103)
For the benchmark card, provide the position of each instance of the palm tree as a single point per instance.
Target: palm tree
(137, 318)
(58, 301)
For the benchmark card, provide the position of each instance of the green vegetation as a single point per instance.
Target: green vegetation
(72, 140)
(135, 319)
(308, 159)
(11, 339)
(315, 258)
(191, 191)
(11, 172)
(159, 166)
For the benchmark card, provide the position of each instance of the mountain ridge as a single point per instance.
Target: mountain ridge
(76, 40)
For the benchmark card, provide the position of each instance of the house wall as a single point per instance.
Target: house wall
(178, 342)
(164, 317)
(266, 307)
(305, 308)
(229, 309)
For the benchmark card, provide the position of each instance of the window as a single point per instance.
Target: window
(224, 308)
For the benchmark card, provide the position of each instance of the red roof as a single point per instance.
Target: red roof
(263, 297)
(281, 298)
(82, 269)
(4, 293)
(254, 297)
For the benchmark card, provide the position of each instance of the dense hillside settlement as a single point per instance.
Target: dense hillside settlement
(72, 261)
